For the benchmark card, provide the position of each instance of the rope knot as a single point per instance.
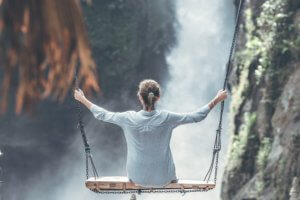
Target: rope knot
(87, 150)
(80, 125)
(216, 149)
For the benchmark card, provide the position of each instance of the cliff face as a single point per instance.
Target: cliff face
(263, 156)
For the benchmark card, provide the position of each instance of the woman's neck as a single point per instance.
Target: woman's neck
(149, 110)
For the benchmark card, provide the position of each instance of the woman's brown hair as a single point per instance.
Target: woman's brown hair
(149, 90)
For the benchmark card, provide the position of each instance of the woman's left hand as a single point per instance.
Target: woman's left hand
(222, 95)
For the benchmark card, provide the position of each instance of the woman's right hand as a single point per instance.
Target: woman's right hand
(79, 95)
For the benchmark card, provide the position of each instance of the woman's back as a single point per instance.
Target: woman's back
(149, 159)
(148, 134)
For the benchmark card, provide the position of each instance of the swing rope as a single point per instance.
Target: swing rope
(88, 155)
(217, 144)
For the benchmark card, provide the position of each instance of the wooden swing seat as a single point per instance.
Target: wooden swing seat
(121, 183)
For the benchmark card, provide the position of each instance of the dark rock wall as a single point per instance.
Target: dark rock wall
(263, 156)
(130, 40)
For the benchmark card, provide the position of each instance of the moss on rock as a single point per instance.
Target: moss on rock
(240, 141)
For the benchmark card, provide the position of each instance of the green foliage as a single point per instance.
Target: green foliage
(240, 141)
(259, 185)
(271, 41)
(263, 153)
(266, 35)
(266, 44)
(261, 162)
(270, 26)
(244, 59)
(239, 92)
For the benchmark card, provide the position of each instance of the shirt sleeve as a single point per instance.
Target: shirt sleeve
(198, 115)
(99, 113)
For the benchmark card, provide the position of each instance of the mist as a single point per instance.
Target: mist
(197, 67)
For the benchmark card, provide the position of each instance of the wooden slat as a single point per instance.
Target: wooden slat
(123, 183)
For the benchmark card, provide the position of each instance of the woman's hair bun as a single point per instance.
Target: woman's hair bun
(151, 94)
(149, 90)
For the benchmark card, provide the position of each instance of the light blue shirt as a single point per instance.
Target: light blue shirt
(149, 158)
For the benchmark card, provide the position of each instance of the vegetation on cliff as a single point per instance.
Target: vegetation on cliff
(265, 65)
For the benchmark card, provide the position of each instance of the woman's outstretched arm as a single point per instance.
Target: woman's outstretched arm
(197, 115)
(99, 112)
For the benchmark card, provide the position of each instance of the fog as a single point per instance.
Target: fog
(197, 67)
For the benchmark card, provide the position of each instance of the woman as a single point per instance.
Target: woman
(148, 133)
